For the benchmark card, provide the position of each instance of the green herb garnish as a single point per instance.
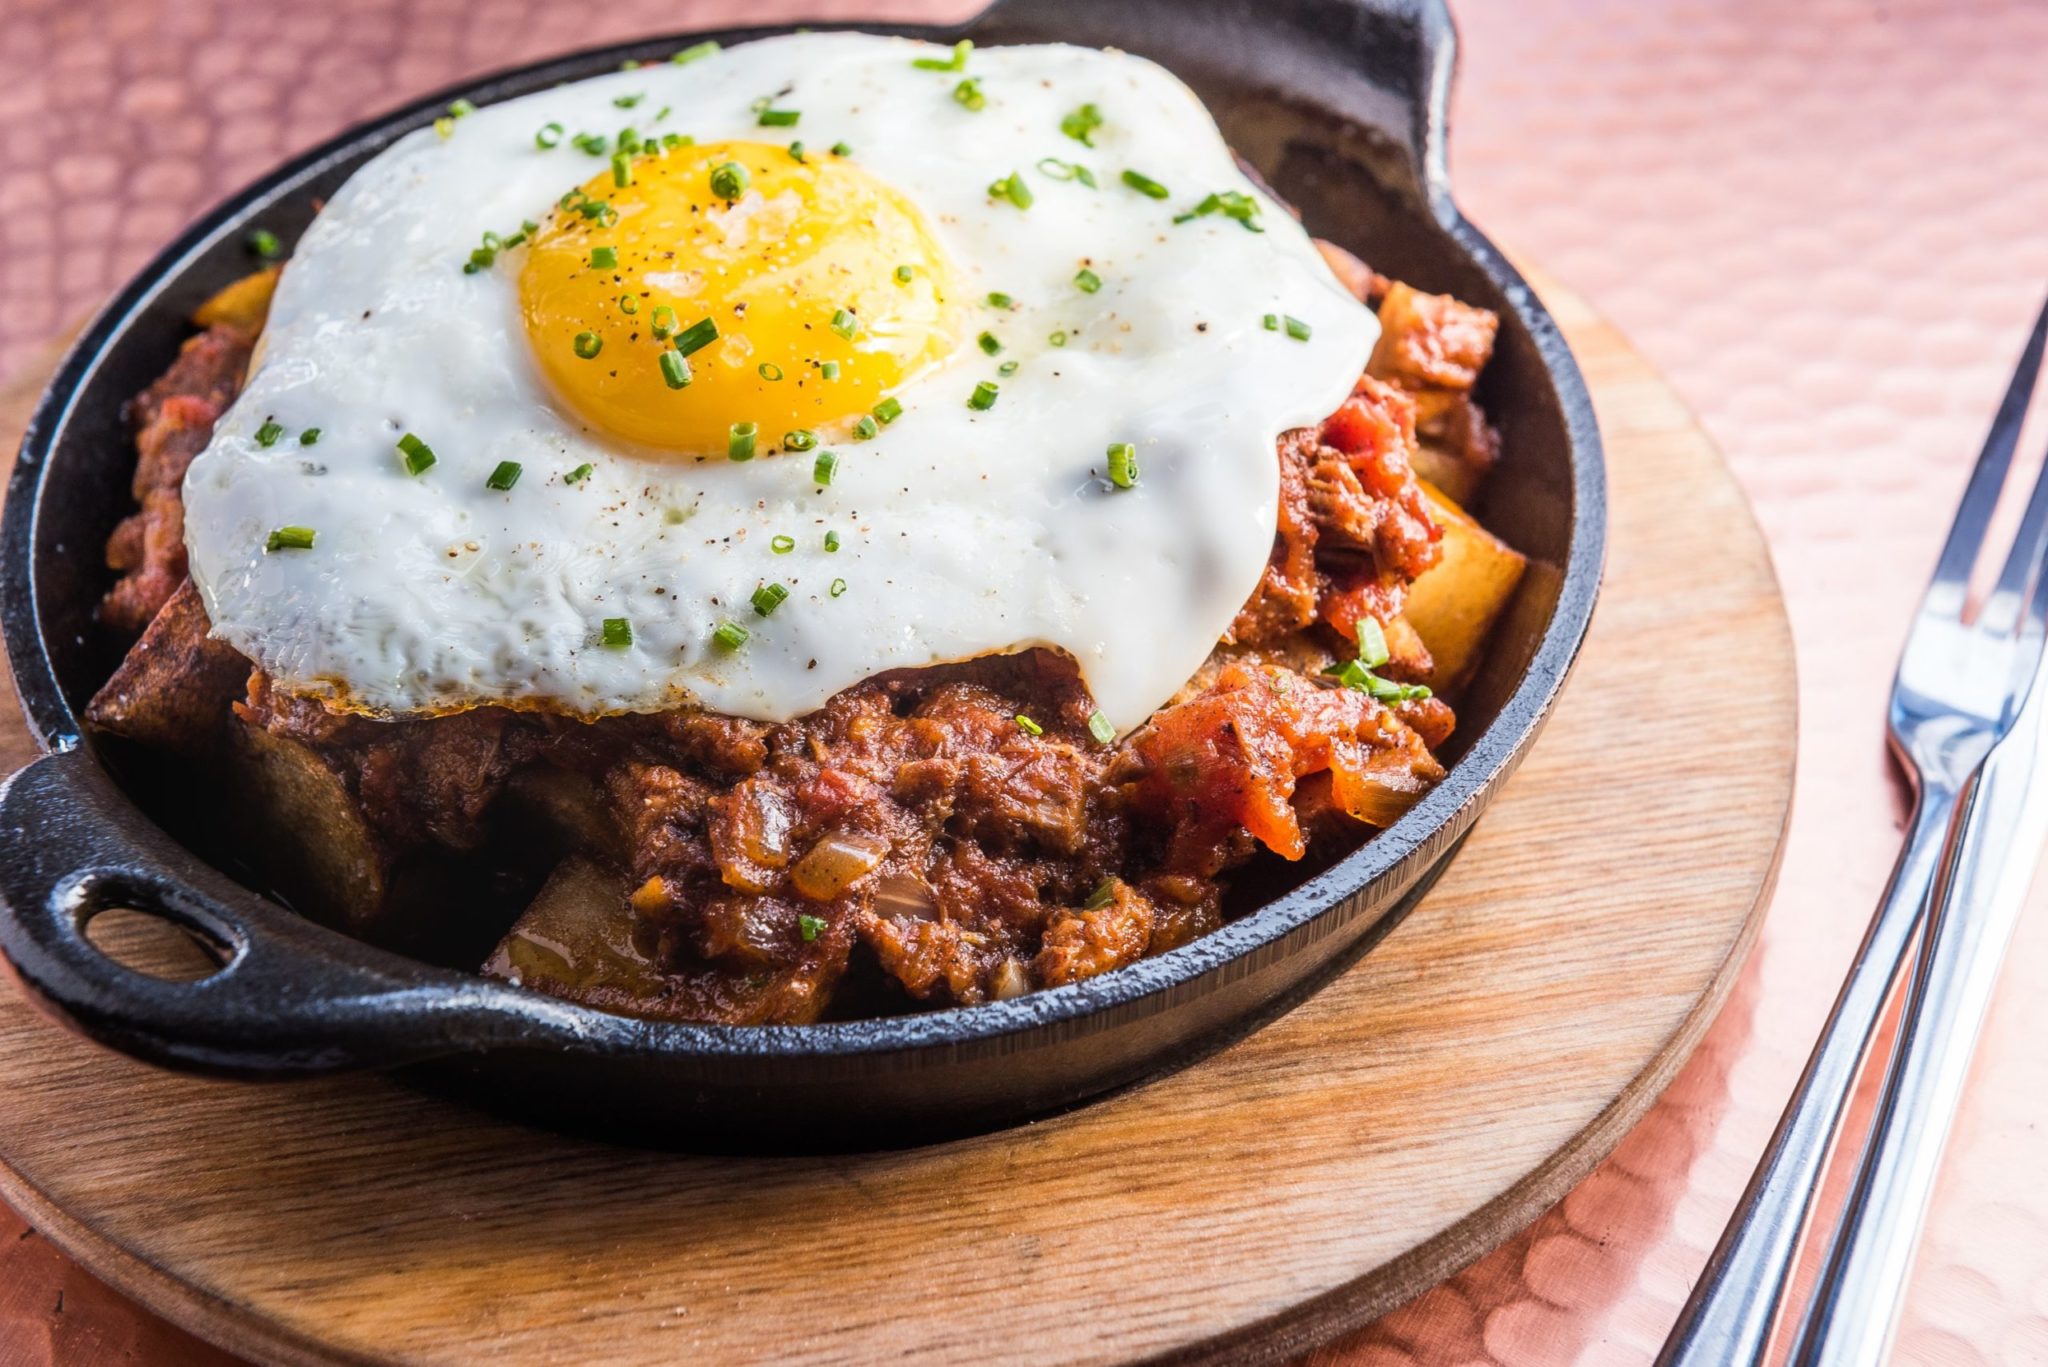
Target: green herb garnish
(417, 456)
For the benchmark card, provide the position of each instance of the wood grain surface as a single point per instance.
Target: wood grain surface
(1408, 1118)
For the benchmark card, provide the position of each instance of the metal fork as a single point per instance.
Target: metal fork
(1959, 688)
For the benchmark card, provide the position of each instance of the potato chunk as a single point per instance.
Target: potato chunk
(307, 830)
(1453, 606)
(173, 689)
(1431, 341)
(243, 306)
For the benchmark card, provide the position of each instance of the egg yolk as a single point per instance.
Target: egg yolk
(825, 287)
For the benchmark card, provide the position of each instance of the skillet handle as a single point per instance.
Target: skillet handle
(1388, 62)
(290, 998)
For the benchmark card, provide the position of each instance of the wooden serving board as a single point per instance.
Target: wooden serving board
(1450, 1086)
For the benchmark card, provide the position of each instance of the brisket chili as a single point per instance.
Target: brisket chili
(915, 830)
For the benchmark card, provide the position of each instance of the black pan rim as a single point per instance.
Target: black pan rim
(1400, 852)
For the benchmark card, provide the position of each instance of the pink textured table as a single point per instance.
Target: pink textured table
(1827, 222)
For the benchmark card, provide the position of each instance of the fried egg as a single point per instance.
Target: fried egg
(737, 380)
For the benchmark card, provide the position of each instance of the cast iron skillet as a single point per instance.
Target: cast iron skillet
(1340, 105)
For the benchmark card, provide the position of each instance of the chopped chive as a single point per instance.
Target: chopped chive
(549, 136)
(309, 437)
(1058, 339)
(588, 344)
(1145, 185)
(1350, 673)
(628, 101)
(865, 429)
(268, 434)
(290, 539)
(957, 62)
(840, 149)
(729, 180)
(1101, 728)
(1104, 894)
(845, 324)
(1296, 329)
(1081, 124)
(796, 151)
(1386, 690)
(1055, 169)
(664, 322)
(1230, 204)
(823, 467)
(1028, 726)
(1372, 643)
(905, 274)
(444, 128)
(675, 371)
(968, 94)
(888, 410)
(782, 545)
(595, 144)
(832, 541)
(417, 456)
(769, 597)
(730, 635)
(694, 53)
(1007, 369)
(617, 633)
(988, 343)
(628, 304)
(838, 587)
(697, 336)
(1123, 465)
(604, 258)
(829, 370)
(628, 141)
(1272, 322)
(579, 474)
(999, 300)
(622, 170)
(803, 439)
(264, 243)
(505, 476)
(1087, 281)
(769, 371)
(1012, 188)
(739, 441)
(809, 926)
(984, 397)
(780, 118)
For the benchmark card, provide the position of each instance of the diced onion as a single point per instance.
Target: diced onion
(901, 898)
(835, 863)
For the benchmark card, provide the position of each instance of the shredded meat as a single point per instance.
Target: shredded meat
(174, 420)
(1354, 527)
(914, 840)
(429, 780)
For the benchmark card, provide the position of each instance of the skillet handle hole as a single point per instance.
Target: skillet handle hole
(155, 945)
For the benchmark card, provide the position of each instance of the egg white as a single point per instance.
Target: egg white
(960, 532)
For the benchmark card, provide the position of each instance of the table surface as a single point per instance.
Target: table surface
(1827, 223)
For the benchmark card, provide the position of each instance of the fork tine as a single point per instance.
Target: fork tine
(2001, 609)
(1951, 582)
